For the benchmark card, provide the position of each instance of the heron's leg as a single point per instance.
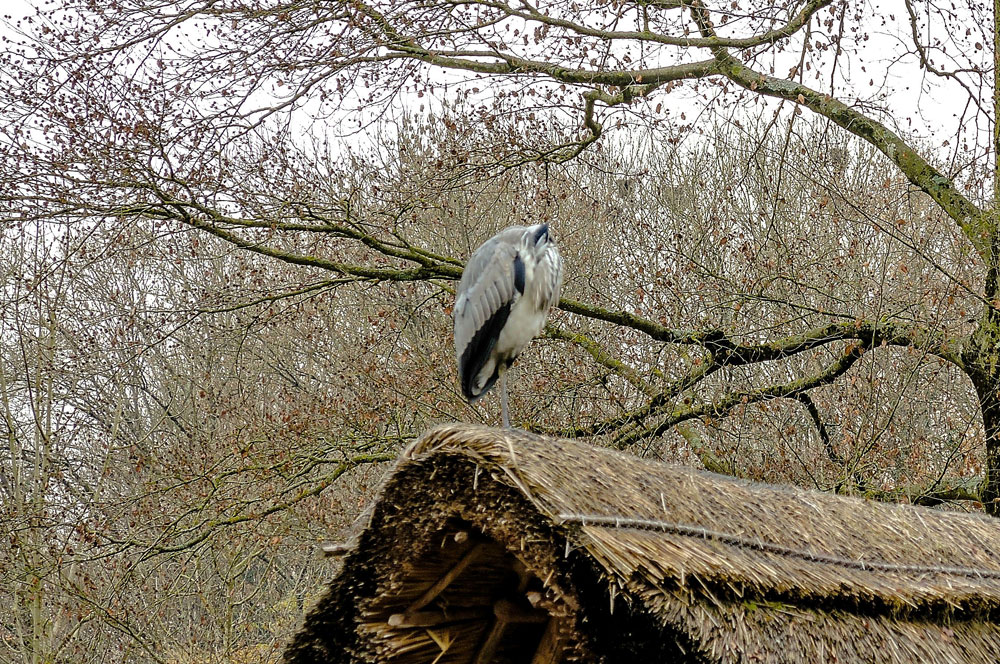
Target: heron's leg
(503, 400)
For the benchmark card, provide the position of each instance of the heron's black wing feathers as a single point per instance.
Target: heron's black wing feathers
(477, 352)
(485, 295)
(519, 274)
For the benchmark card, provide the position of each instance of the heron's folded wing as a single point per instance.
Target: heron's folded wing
(485, 294)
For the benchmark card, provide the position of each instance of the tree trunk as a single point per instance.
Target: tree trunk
(982, 361)
(990, 403)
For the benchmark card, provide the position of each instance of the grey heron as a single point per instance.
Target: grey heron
(502, 301)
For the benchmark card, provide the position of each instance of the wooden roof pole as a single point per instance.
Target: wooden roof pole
(506, 613)
(550, 648)
(448, 577)
(489, 647)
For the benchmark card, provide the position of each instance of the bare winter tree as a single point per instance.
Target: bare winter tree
(245, 220)
(198, 116)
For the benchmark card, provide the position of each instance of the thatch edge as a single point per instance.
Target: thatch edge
(852, 584)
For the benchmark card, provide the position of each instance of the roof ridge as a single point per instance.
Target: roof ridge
(769, 547)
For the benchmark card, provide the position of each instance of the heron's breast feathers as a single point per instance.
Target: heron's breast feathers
(546, 278)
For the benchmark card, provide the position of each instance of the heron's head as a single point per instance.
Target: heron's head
(538, 236)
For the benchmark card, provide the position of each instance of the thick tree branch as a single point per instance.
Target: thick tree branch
(933, 495)
(732, 353)
(428, 268)
(508, 63)
(721, 407)
(723, 352)
(974, 223)
(793, 25)
(602, 357)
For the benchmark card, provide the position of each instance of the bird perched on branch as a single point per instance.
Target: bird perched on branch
(502, 301)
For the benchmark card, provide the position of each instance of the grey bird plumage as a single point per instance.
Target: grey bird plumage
(502, 301)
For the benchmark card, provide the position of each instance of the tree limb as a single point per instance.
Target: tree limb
(721, 407)
(974, 223)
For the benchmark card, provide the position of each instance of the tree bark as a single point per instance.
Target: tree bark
(990, 403)
(982, 360)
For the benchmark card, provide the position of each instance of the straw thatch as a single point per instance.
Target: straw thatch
(501, 546)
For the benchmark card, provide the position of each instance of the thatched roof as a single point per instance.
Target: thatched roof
(501, 546)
